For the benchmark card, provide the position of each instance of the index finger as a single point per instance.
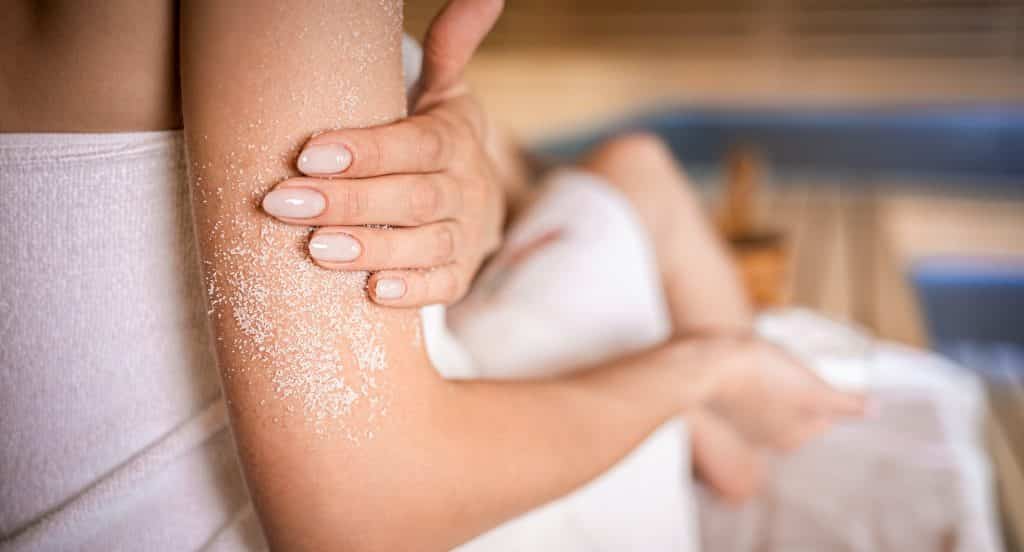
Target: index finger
(418, 144)
(400, 200)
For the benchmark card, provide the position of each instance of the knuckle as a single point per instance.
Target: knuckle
(430, 145)
(453, 131)
(372, 155)
(424, 201)
(444, 239)
(476, 119)
(462, 126)
(458, 191)
(355, 202)
(439, 51)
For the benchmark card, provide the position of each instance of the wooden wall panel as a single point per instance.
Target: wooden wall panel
(972, 29)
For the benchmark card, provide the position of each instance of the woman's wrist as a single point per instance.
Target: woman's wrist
(703, 368)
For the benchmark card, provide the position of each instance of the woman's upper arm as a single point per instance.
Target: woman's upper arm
(310, 367)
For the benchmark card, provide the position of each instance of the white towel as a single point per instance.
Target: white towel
(574, 284)
(112, 429)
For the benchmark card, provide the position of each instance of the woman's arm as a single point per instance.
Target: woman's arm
(348, 437)
(443, 174)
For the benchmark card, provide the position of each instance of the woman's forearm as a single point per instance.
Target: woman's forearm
(542, 439)
(454, 459)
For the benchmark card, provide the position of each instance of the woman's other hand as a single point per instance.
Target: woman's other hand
(773, 399)
(418, 202)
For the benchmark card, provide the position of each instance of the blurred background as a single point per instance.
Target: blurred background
(865, 158)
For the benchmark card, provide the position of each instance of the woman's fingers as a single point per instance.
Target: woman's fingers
(724, 459)
(415, 266)
(416, 288)
(399, 200)
(416, 144)
(363, 248)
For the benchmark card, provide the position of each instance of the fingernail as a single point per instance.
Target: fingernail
(389, 288)
(334, 247)
(324, 159)
(294, 203)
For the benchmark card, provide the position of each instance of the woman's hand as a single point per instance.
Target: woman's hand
(772, 398)
(419, 201)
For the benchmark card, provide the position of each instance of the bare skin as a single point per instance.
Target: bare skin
(53, 54)
(444, 446)
(704, 293)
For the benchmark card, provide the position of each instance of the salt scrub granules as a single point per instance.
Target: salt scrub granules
(306, 334)
(295, 319)
(294, 322)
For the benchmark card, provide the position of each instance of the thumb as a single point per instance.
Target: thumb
(452, 38)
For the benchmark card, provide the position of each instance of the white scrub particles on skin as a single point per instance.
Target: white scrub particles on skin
(306, 334)
(296, 321)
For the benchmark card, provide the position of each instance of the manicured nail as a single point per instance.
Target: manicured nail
(334, 247)
(389, 288)
(324, 159)
(294, 203)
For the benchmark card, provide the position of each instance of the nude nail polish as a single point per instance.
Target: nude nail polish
(389, 288)
(340, 248)
(297, 203)
(324, 159)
